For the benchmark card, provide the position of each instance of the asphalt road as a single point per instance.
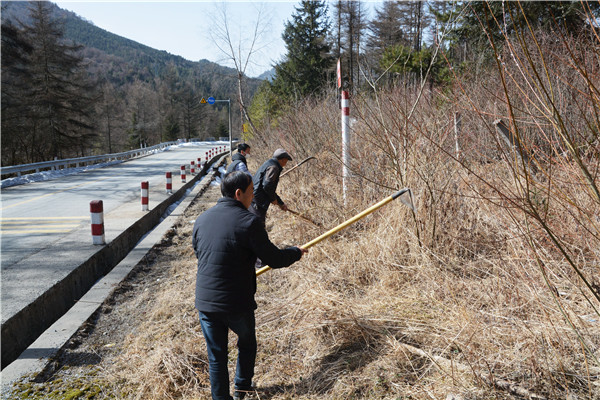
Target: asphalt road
(45, 226)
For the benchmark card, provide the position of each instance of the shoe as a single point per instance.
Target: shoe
(244, 394)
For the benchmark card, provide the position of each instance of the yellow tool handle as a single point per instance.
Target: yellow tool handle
(344, 224)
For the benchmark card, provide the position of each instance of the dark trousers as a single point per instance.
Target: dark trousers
(259, 212)
(215, 327)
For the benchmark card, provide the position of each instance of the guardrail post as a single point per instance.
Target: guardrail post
(169, 183)
(97, 211)
(183, 174)
(145, 187)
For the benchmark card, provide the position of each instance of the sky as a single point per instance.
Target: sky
(187, 28)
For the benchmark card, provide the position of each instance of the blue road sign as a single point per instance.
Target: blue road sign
(211, 100)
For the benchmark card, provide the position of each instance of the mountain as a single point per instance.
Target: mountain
(122, 60)
(267, 75)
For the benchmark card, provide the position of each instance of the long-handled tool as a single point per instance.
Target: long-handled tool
(296, 213)
(348, 222)
(297, 165)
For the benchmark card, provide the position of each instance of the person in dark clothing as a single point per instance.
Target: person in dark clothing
(227, 239)
(238, 160)
(265, 181)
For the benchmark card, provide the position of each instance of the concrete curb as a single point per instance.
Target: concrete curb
(23, 328)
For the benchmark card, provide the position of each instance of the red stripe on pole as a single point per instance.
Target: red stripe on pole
(96, 206)
(97, 229)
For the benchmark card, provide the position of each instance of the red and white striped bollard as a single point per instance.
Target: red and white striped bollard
(169, 183)
(97, 211)
(183, 174)
(145, 187)
(192, 168)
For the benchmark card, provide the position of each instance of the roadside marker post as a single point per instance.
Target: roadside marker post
(145, 187)
(97, 212)
(183, 174)
(169, 183)
(192, 167)
(345, 142)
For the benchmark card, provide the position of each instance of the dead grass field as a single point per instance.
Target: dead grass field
(368, 314)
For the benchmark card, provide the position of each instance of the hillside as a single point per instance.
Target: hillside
(122, 60)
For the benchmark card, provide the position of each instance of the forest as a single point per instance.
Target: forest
(71, 89)
(488, 289)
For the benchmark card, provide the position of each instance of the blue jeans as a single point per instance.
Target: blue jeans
(215, 327)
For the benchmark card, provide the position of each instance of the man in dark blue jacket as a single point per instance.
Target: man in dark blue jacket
(265, 181)
(238, 160)
(227, 239)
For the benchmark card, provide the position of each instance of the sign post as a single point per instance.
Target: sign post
(212, 100)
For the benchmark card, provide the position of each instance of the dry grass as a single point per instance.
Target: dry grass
(475, 296)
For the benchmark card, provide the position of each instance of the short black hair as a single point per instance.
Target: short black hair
(233, 181)
(243, 147)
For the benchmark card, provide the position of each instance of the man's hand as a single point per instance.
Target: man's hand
(303, 250)
(283, 207)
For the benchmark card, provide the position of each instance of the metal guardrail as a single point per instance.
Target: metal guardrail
(81, 161)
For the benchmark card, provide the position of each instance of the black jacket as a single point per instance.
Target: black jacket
(265, 182)
(235, 160)
(227, 238)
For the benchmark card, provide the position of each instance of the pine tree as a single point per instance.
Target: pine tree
(171, 128)
(386, 28)
(305, 68)
(351, 27)
(59, 95)
(481, 21)
(15, 76)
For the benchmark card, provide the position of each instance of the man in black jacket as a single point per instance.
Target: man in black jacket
(227, 239)
(238, 160)
(265, 181)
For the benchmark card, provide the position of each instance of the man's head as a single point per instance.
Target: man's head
(243, 149)
(282, 156)
(238, 185)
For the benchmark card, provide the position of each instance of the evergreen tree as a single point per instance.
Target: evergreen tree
(171, 128)
(222, 130)
(15, 76)
(351, 27)
(386, 28)
(59, 95)
(413, 21)
(481, 21)
(134, 133)
(305, 68)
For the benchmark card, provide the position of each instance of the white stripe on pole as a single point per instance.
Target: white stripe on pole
(345, 141)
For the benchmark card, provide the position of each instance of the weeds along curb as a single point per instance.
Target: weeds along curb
(23, 328)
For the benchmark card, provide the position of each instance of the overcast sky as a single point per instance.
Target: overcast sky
(184, 27)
